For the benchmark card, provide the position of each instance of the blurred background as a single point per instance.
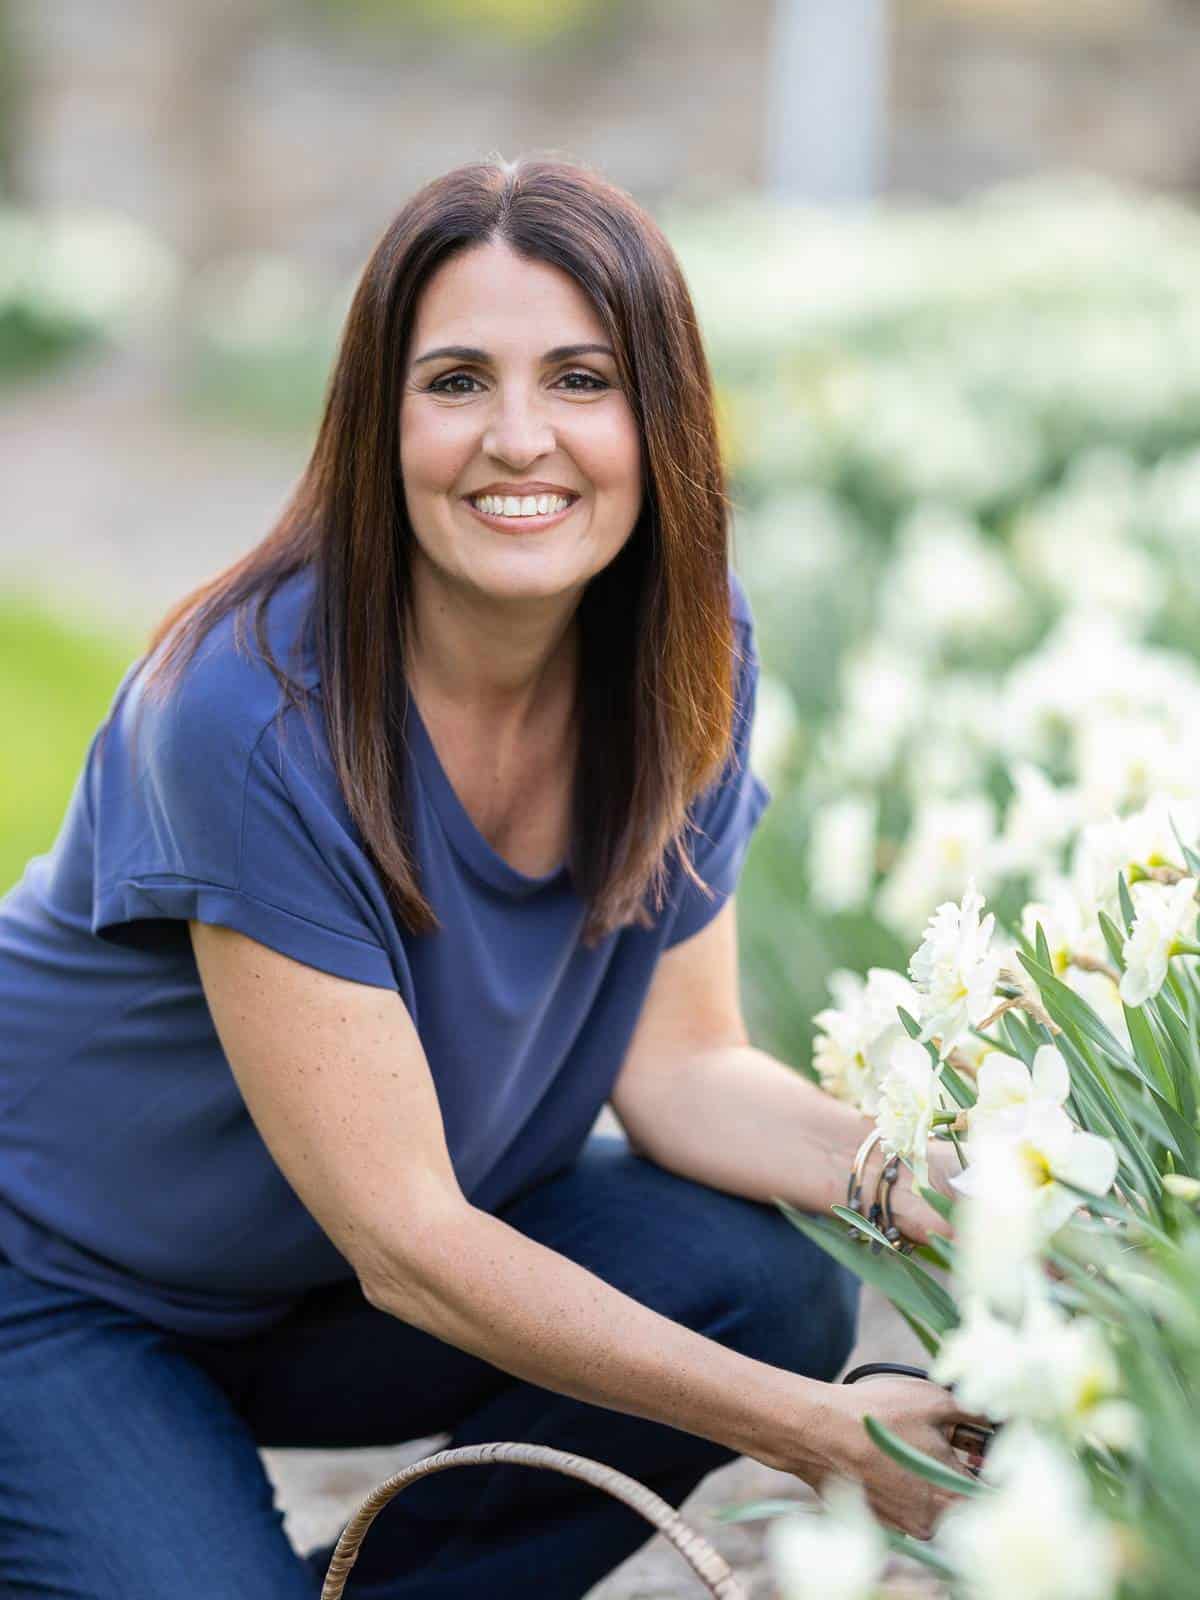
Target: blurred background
(947, 263)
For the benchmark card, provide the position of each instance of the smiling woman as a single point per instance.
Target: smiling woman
(410, 842)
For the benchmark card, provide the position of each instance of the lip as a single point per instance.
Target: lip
(521, 489)
(520, 525)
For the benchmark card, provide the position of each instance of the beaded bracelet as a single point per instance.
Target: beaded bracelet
(880, 1214)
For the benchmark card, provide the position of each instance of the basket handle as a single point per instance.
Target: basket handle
(704, 1561)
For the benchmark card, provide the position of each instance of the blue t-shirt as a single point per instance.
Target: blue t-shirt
(129, 1165)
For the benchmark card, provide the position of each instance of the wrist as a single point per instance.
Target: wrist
(793, 1424)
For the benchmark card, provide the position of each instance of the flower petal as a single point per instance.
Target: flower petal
(1051, 1079)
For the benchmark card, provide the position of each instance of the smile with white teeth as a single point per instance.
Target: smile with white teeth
(530, 505)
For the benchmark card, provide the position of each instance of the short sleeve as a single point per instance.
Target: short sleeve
(208, 816)
(728, 812)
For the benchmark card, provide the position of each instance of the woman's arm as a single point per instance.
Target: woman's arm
(335, 1077)
(695, 1096)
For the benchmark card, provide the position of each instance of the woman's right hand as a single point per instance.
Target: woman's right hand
(915, 1410)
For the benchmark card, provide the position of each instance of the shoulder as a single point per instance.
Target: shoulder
(214, 714)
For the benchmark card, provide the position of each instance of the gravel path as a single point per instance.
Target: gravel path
(113, 510)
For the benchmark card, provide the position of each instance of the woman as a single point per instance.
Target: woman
(412, 841)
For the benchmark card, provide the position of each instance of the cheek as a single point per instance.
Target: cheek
(610, 453)
(433, 450)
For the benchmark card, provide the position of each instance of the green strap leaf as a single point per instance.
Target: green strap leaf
(925, 1466)
(907, 1286)
(1114, 939)
(1128, 914)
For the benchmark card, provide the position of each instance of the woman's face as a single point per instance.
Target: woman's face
(515, 413)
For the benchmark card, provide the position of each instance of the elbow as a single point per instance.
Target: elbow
(406, 1272)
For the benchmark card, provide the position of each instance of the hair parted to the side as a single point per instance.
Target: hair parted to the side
(657, 656)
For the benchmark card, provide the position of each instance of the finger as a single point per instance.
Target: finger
(948, 1410)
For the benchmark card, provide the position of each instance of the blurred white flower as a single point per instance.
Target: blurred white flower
(1038, 823)
(1164, 924)
(946, 581)
(852, 1049)
(881, 689)
(1131, 846)
(910, 1092)
(955, 971)
(1036, 1536)
(952, 741)
(841, 857)
(1007, 1089)
(1069, 933)
(998, 1230)
(1076, 542)
(1048, 1367)
(950, 841)
(1120, 761)
(774, 731)
(839, 1553)
(101, 268)
(1054, 1152)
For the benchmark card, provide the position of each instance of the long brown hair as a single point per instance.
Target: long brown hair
(656, 641)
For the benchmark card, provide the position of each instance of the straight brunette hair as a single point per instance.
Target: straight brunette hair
(658, 659)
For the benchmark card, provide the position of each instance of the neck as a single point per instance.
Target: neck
(499, 663)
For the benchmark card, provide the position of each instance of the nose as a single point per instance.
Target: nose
(517, 430)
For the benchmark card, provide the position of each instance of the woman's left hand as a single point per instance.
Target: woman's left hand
(915, 1217)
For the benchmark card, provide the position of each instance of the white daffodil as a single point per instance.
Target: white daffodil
(1054, 1152)
(852, 1050)
(1007, 1089)
(838, 1554)
(1071, 928)
(1036, 1536)
(954, 971)
(1131, 845)
(1048, 1367)
(1164, 924)
(909, 1094)
(998, 1231)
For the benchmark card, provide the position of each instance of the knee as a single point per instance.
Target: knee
(780, 1298)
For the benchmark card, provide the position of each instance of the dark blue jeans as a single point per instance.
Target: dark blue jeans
(129, 1462)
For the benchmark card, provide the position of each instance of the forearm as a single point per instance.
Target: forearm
(740, 1120)
(536, 1314)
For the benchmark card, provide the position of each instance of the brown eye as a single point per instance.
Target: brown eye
(436, 387)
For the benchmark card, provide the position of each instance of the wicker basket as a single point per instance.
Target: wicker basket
(696, 1551)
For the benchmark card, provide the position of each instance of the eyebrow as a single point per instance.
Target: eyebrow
(561, 352)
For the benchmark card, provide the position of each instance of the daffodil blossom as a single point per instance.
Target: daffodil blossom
(851, 1051)
(1071, 928)
(998, 1230)
(839, 1554)
(1165, 923)
(1048, 1367)
(1036, 1536)
(1007, 1089)
(954, 972)
(909, 1095)
(1053, 1152)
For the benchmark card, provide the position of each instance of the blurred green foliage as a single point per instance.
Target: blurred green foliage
(522, 22)
(56, 682)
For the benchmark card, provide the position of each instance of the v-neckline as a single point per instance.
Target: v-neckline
(456, 820)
